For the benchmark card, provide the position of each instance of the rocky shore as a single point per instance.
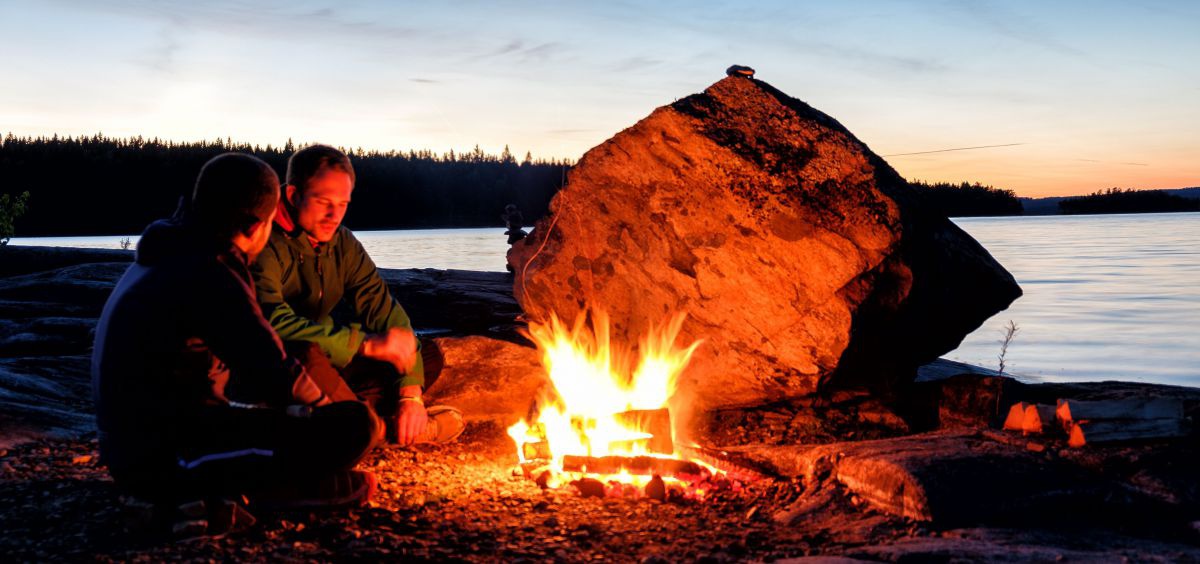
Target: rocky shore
(924, 476)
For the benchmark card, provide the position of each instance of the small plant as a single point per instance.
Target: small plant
(126, 243)
(1010, 331)
(10, 210)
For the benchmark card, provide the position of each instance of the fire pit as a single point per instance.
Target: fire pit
(606, 426)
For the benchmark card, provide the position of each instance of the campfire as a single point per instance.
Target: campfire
(606, 425)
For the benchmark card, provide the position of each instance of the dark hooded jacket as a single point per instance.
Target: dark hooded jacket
(182, 330)
(299, 284)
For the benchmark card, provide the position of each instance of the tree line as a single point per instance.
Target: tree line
(101, 185)
(968, 199)
(1116, 200)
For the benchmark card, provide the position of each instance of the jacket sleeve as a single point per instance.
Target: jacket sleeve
(373, 302)
(340, 343)
(231, 324)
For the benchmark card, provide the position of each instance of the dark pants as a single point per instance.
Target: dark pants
(371, 381)
(225, 451)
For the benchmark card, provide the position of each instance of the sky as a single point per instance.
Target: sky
(1067, 97)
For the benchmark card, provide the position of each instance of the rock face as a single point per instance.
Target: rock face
(489, 379)
(801, 258)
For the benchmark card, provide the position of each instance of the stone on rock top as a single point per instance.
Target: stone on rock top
(801, 258)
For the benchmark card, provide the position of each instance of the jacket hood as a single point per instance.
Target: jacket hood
(167, 239)
(283, 217)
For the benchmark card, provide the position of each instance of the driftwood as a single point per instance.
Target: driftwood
(640, 465)
(1071, 411)
(1116, 430)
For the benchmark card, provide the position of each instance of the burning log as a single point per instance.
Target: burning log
(639, 465)
(1116, 430)
(536, 450)
(654, 422)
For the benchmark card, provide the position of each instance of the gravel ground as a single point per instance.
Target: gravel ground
(459, 502)
(462, 502)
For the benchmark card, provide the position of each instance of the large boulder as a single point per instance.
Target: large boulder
(802, 259)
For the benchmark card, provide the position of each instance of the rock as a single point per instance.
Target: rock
(19, 259)
(488, 379)
(457, 302)
(953, 479)
(802, 259)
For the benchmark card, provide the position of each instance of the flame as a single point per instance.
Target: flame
(594, 382)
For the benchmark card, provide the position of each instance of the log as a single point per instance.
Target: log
(656, 422)
(536, 450)
(1117, 430)
(639, 465)
(1070, 411)
(1039, 418)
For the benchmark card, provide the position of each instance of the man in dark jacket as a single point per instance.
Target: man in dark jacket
(195, 396)
(312, 263)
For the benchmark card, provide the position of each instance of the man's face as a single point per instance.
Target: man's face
(321, 206)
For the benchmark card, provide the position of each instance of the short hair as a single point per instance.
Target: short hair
(233, 192)
(311, 160)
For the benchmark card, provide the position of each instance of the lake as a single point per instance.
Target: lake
(1107, 297)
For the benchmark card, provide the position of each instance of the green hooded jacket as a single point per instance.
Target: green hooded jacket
(299, 285)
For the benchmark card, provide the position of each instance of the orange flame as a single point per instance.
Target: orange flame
(593, 384)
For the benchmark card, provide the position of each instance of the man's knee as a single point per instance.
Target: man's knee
(353, 426)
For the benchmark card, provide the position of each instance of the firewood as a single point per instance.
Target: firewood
(536, 451)
(1039, 418)
(655, 422)
(1070, 411)
(1016, 417)
(1116, 430)
(640, 465)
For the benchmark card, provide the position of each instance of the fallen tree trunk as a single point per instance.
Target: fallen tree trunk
(1117, 430)
(1070, 411)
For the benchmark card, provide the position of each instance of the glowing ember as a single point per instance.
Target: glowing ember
(604, 406)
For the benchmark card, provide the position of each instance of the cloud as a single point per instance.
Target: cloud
(424, 80)
(517, 49)
(161, 57)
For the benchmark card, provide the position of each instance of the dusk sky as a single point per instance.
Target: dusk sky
(1082, 95)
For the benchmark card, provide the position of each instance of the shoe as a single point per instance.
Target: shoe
(344, 489)
(211, 518)
(445, 425)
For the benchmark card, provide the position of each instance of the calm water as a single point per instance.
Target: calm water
(1113, 297)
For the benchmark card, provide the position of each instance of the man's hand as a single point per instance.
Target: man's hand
(411, 418)
(397, 346)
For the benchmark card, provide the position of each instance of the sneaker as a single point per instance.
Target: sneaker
(345, 489)
(445, 425)
(211, 518)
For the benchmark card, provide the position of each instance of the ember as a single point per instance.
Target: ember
(607, 421)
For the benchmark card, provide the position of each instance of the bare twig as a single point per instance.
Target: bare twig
(1010, 331)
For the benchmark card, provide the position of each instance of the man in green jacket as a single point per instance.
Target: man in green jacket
(312, 263)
